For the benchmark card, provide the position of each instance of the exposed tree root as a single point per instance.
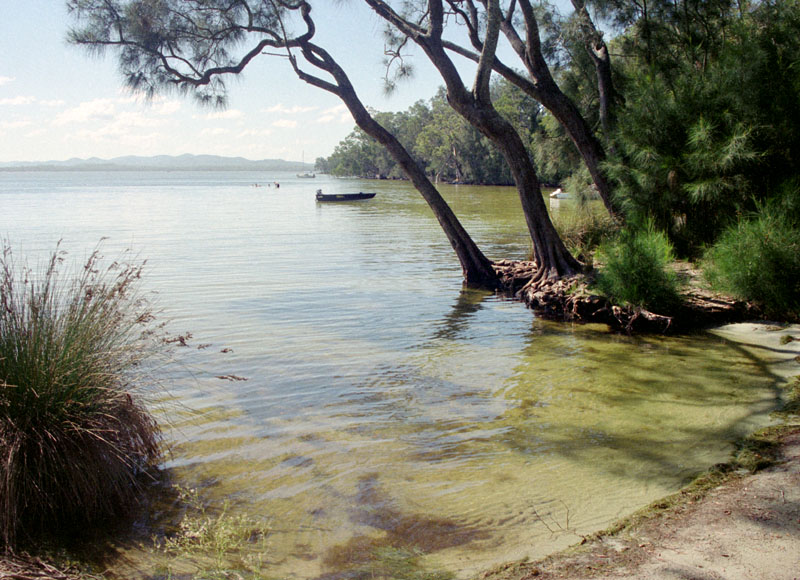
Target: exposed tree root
(570, 298)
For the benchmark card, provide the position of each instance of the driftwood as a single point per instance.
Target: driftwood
(26, 567)
(570, 299)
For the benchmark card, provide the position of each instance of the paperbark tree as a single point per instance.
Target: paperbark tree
(192, 45)
(552, 258)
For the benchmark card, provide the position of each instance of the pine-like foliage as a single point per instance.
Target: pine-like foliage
(758, 259)
(635, 269)
(710, 124)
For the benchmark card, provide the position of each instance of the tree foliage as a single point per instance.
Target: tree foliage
(636, 269)
(710, 123)
(758, 259)
(440, 140)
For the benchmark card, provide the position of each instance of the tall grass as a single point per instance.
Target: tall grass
(74, 439)
(758, 259)
(583, 230)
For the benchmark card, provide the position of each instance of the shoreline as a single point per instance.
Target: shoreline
(731, 522)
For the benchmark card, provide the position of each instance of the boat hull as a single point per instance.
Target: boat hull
(344, 196)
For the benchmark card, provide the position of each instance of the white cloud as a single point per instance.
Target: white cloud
(229, 114)
(129, 119)
(20, 100)
(120, 141)
(28, 100)
(214, 132)
(336, 110)
(255, 133)
(104, 118)
(14, 124)
(6, 80)
(337, 114)
(38, 132)
(281, 108)
(95, 110)
(166, 107)
(114, 123)
(285, 123)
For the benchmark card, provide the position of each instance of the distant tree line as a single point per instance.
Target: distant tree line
(449, 148)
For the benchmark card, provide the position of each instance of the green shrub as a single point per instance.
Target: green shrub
(758, 259)
(635, 270)
(74, 441)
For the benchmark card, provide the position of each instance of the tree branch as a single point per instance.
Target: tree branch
(485, 64)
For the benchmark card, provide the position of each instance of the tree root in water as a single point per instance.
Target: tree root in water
(570, 298)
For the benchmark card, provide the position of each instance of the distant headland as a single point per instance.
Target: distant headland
(159, 163)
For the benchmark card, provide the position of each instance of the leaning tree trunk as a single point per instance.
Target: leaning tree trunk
(552, 258)
(476, 267)
(582, 136)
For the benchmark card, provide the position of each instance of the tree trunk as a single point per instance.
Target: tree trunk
(552, 258)
(598, 52)
(477, 268)
(545, 90)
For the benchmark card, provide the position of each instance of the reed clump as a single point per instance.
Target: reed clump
(75, 439)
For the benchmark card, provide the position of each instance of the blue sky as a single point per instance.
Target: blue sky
(56, 102)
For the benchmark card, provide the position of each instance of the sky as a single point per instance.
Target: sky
(57, 102)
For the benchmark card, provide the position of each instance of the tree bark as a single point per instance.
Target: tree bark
(598, 52)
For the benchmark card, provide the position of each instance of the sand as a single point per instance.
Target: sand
(746, 528)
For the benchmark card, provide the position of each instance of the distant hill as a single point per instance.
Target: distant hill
(159, 163)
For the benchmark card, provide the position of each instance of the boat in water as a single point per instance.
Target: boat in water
(343, 196)
(305, 174)
(559, 194)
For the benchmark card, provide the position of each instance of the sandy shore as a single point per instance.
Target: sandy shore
(739, 526)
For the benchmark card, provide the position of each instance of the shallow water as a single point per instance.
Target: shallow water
(384, 405)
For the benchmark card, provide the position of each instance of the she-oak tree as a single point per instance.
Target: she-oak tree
(520, 26)
(475, 105)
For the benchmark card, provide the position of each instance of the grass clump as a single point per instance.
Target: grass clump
(758, 259)
(74, 439)
(214, 544)
(582, 231)
(635, 269)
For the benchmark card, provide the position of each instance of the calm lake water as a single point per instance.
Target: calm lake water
(384, 406)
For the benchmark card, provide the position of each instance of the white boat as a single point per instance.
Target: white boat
(305, 174)
(559, 194)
